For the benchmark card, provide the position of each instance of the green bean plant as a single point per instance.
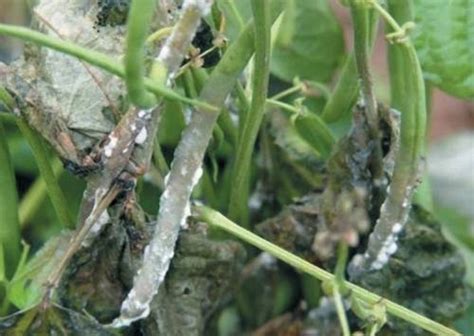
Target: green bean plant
(218, 123)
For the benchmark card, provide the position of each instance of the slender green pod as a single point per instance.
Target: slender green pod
(43, 161)
(34, 197)
(315, 132)
(402, 11)
(9, 223)
(138, 23)
(395, 210)
(238, 203)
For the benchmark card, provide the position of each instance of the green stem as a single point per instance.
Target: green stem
(43, 161)
(361, 23)
(373, 329)
(238, 204)
(97, 59)
(159, 158)
(34, 197)
(284, 106)
(216, 219)
(287, 92)
(342, 254)
(341, 311)
(244, 105)
(9, 223)
(138, 23)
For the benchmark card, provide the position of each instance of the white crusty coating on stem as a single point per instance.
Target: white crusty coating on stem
(184, 175)
(177, 45)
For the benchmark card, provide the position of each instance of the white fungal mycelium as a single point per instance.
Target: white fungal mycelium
(98, 221)
(109, 148)
(141, 136)
(204, 6)
(96, 229)
(176, 46)
(387, 243)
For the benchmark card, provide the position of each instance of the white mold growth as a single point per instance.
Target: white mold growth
(397, 227)
(96, 229)
(196, 177)
(109, 148)
(141, 137)
(204, 6)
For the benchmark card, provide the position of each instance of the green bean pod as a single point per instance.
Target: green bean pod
(311, 128)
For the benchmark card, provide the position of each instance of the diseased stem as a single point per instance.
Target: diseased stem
(159, 35)
(42, 159)
(184, 174)
(138, 23)
(238, 204)
(395, 210)
(216, 219)
(9, 223)
(361, 24)
(95, 58)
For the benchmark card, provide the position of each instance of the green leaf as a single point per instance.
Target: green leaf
(2, 264)
(444, 39)
(237, 13)
(28, 284)
(316, 45)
